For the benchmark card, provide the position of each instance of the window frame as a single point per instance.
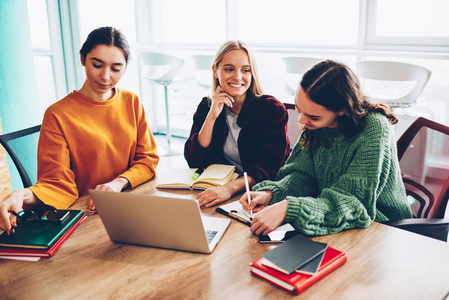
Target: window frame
(367, 39)
(422, 43)
(55, 52)
(69, 75)
(63, 59)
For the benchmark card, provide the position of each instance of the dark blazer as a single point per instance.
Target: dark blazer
(263, 142)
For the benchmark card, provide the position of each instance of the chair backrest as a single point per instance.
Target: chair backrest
(171, 65)
(295, 67)
(388, 71)
(15, 140)
(423, 152)
(203, 61)
(203, 65)
(293, 127)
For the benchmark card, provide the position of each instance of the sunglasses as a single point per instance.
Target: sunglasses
(28, 216)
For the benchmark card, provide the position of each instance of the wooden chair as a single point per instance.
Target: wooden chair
(203, 70)
(423, 152)
(6, 140)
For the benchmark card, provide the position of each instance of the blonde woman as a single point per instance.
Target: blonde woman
(237, 125)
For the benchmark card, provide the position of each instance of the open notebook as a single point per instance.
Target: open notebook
(158, 221)
(235, 210)
(213, 175)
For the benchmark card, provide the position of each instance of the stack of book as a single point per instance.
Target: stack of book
(39, 239)
(298, 263)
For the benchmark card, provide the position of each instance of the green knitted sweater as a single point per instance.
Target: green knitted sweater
(342, 183)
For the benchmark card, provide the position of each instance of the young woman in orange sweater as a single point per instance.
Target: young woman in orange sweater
(94, 138)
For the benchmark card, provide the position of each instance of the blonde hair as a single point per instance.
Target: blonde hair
(255, 86)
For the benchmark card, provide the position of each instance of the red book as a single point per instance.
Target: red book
(39, 252)
(298, 282)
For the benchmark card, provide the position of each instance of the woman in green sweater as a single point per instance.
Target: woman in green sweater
(343, 173)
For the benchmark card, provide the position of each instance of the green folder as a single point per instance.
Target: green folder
(39, 235)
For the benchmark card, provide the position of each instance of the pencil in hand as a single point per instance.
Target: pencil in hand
(247, 191)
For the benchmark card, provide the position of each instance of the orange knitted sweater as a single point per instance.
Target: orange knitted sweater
(84, 143)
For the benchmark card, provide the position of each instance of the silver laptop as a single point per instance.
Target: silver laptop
(158, 221)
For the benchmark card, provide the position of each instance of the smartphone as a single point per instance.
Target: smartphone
(280, 235)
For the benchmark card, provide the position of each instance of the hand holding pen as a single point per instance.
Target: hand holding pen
(258, 200)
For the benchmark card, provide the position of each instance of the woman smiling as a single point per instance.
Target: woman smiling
(237, 125)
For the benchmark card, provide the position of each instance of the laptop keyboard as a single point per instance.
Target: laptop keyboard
(210, 234)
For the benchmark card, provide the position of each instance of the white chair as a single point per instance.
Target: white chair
(295, 67)
(168, 67)
(203, 65)
(293, 126)
(401, 76)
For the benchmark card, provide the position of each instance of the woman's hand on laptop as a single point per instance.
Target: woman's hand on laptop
(115, 185)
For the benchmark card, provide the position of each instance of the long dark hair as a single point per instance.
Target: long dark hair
(335, 86)
(108, 36)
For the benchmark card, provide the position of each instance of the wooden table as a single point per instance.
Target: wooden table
(383, 263)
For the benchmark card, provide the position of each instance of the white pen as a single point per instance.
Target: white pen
(247, 190)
